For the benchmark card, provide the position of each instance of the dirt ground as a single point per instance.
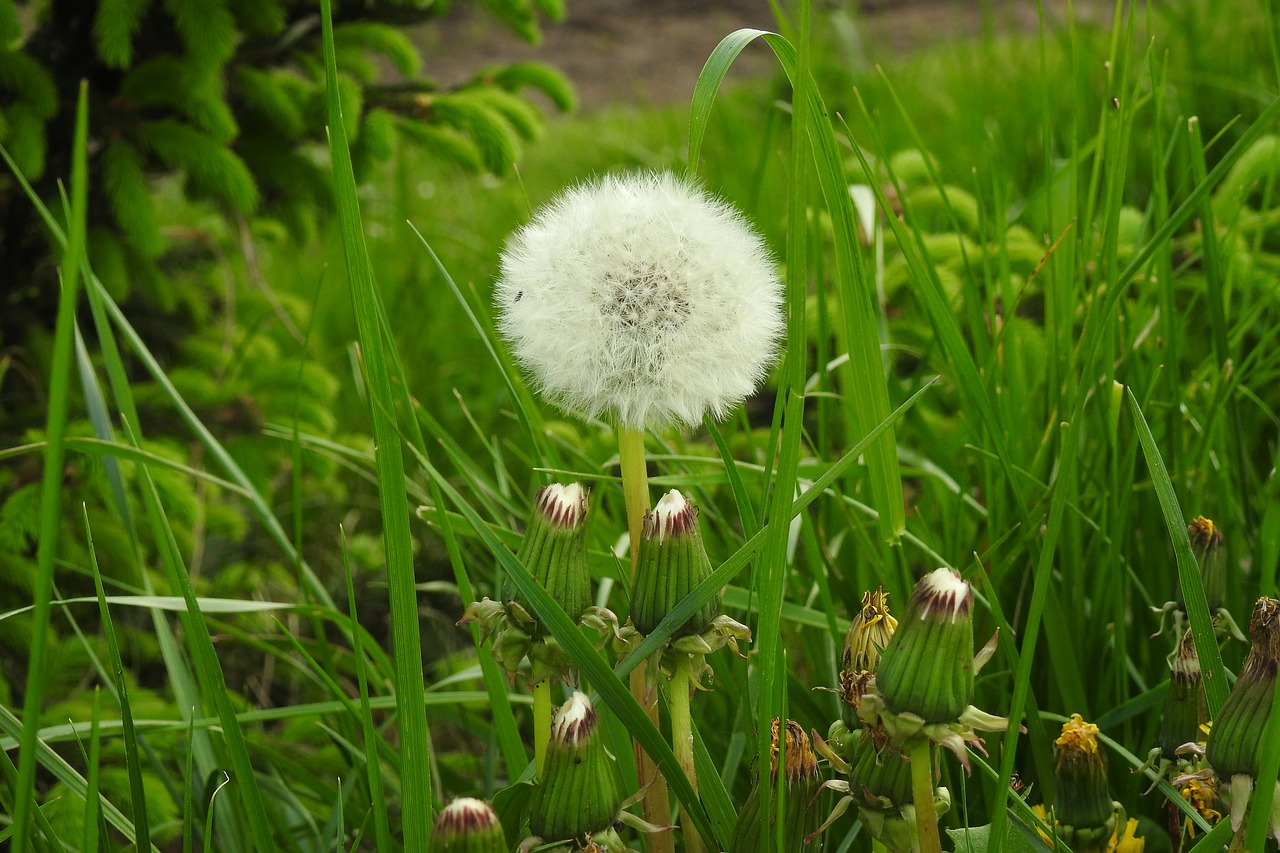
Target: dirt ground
(650, 51)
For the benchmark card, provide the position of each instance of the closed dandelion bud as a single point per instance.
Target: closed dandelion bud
(577, 793)
(1206, 542)
(869, 633)
(880, 775)
(803, 782)
(1236, 738)
(1083, 808)
(672, 562)
(927, 667)
(1184, 706)
(554, 549)
(467, 825)
(880, 786)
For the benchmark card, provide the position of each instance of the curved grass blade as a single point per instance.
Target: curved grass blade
(405, 632)
(1215, 682)
(137, 793)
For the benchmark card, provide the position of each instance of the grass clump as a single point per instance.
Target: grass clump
(1030, 308)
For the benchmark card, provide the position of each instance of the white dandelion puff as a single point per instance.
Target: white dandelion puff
(641, 297)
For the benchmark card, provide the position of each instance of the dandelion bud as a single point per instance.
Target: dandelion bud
(927, 667)
(880, 786)
(1206, 542)
(672, 562)
(554, 549)
(1083, 804)
(577, 793)
(1235, 743)
(1184, 706)
(803, 782)
(467, 825)
(880, 775)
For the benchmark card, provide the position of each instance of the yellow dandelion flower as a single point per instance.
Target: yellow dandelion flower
(1127, 842)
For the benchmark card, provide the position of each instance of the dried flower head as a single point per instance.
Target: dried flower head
(641, 297)
(801, 820)
(869, 632)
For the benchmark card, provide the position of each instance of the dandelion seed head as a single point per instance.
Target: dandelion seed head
(643, 298)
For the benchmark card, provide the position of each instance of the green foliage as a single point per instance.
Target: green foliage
(1023, 241)
(208, 90)
(114, 28)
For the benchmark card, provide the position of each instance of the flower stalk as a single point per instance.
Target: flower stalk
(541, 724)
(922, 796)
(635, 493)
(682, 745)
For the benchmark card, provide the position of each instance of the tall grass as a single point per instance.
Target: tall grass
(1050, 344)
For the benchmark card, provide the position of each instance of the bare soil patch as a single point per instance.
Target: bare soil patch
(651, 51)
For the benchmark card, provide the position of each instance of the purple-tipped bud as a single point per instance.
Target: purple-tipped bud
(577, 793)
(671, 563)
(927, 668)
(554, 549)
(467, 825)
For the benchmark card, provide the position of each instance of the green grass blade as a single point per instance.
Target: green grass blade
(1215, 681)
(188, 793)
(1031, 633)
(406, 638)
(137, 794)
(92, 813)
(526, 409)
(51, 488)
(869, 397)
(210, 673)
(708, 84)
(373, 767)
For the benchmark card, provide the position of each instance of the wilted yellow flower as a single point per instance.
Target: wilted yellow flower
(1202, 794)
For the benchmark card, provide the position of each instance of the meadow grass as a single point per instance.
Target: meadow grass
(1051, 346)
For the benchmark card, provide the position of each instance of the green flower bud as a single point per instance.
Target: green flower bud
(869, 633)
(1184, 706)
(927, 668)
(880, 775)
(577, 793)
(880, 786)
(1236, 739)
(1083, 803)
(467, 826)
(671, 563)
(803, 782)
(1206, 542)
(554, 549)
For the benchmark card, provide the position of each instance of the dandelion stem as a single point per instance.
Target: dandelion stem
(922, 793)
(635, 491)
(635, 484)
(682, 745)
(541, 723)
